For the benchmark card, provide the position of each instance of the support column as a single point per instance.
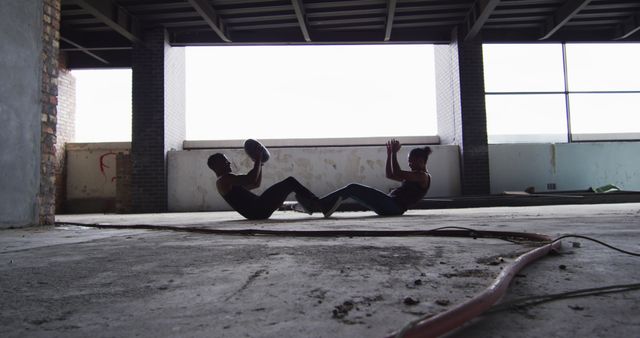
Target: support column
(65, 130)
(26, 114)
(462, 118)
(49, 101)
(158, 122)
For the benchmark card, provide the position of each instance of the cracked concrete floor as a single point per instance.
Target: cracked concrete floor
(77, 281)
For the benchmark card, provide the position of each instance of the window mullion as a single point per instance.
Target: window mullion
(566, 92)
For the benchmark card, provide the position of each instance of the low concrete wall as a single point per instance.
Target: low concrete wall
(191, 184)
(570, 166)
(321, 169)
(91, 176)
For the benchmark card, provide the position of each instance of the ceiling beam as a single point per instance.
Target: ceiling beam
(477, 17)
(84, 50)
(562, 16)
(391, 13)
(298, 7)
(113, 16)
(627, 28)
(206, 11)
(339, 37)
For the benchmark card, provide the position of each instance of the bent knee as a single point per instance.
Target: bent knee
(355, 186)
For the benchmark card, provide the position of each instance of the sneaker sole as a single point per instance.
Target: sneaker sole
(335, 206)
(302, 202)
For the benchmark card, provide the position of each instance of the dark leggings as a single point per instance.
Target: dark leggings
(375, 200)
(272, 198)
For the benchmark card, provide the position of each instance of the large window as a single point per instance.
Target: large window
(103, 105)
(523, 68)
(526, 118)
(525, 100)
(281, 92)
(560, 93)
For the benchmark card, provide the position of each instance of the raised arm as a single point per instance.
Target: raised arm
(393, 170)
(251, 180)
(388, 167)
(255, 175)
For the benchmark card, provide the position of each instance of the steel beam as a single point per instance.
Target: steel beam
(627, 28)
(477, 17)
(391, 13)
(112, 15)
(84, 50)
(298, 7)
(212, 18)
(562, 16)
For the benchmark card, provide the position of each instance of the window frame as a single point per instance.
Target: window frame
(576, 137)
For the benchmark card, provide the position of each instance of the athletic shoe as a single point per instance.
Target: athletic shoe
(305, 204)
(299, 208)
(327, 213)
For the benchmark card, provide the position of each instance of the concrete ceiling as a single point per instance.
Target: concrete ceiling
(101, 33)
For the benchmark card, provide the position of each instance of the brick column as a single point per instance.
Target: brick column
(461, 110)
(49, 100)
(65, 130)
(123, 183)
(158, 123)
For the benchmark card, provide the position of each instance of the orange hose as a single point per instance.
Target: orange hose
(453, 318)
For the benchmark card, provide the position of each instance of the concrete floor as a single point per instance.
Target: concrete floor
(76, 281)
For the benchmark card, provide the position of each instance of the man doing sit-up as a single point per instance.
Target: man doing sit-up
(235, 189)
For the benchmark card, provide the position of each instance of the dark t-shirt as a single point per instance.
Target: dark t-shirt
(409, 193)
(241, 200)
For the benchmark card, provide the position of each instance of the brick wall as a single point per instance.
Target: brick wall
(175, 98)
(158, 117)
(461, 110)
(475, 148)
(66, 131)
(123, 183)
(49, 100)
(445, 57)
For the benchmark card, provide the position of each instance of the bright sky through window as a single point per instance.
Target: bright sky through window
(310, 92)
(280, 92)
(530, 100)
(377, 90)
(103, 105)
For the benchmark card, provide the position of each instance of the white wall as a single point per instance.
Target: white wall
(191, 184)
(571, 166)
(321, 169)
(91, 170)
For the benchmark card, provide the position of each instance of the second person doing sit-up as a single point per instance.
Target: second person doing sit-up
(415, 184)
